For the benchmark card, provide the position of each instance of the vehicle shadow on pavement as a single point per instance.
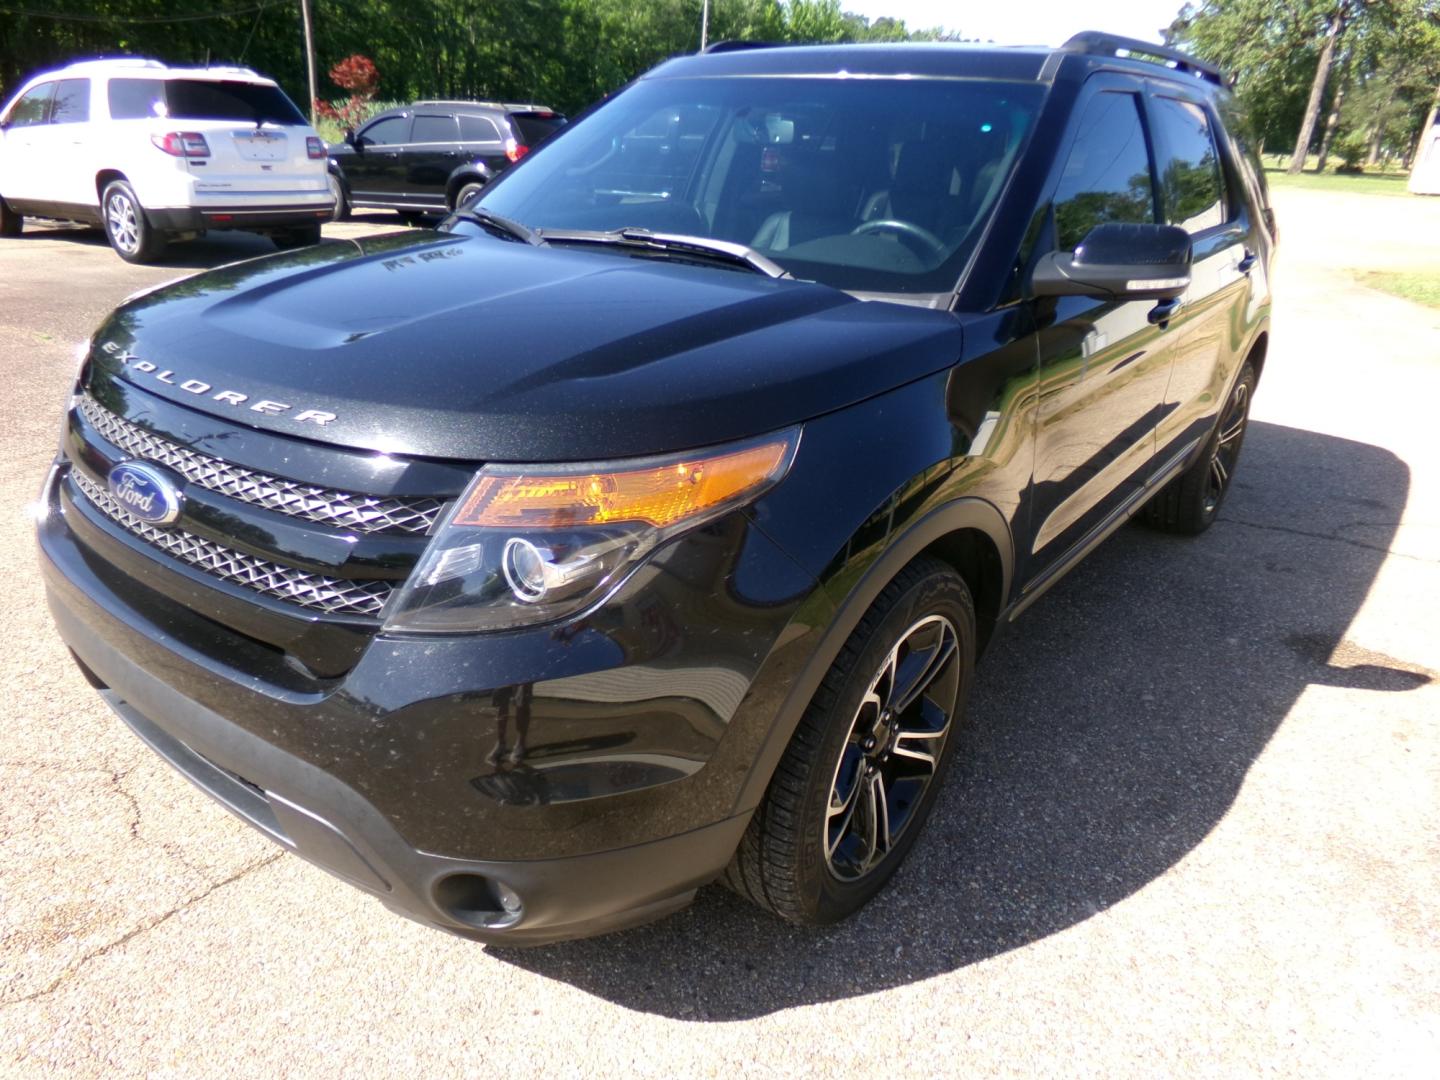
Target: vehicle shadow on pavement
(1109, 732)
(205, 253)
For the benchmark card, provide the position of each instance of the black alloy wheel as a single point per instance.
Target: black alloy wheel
(895, 742)
(854, 787)
(1191, 502)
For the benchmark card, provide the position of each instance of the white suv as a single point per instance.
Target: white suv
(155, 153)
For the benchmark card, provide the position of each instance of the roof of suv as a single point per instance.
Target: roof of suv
(155, 69)
(942, 59)
(478, 107)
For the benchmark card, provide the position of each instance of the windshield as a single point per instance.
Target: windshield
(874, 185)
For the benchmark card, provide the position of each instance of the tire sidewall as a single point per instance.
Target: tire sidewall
(342, 199)
(11, 223)
(828, 897)
(467, 188)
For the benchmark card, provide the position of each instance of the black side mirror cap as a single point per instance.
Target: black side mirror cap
(1120, 262)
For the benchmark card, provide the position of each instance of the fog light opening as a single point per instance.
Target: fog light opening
(478, 901)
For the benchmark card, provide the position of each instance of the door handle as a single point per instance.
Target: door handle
(1246, 264)
(1163, 312)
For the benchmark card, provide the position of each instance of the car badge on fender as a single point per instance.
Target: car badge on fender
(149, 492)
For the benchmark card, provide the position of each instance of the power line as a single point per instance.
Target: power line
(139, 19)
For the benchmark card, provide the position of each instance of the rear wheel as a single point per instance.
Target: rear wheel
(468, 192)
(858, 779)
(1190, 503)
(10, 222)
(127, 228)
(342, 201)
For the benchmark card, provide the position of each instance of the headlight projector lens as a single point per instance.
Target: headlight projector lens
(525, 566)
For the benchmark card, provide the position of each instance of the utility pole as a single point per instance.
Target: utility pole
(309, 55)
(704, 23)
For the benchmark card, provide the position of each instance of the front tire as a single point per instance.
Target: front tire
(127, 228)
(1189, 504)
(11, 223)
(857, 781)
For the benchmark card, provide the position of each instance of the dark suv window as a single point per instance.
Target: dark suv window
(387, 132)
(535, 128)
(1107, 177)
(31, 108)
(201, 99)
(478, 129)
(72, 102)
(435, 129)
(1190, 167)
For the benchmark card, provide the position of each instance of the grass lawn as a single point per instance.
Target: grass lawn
(1364, 184)
(1420, 286)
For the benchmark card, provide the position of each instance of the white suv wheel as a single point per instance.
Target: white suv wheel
(121, 224)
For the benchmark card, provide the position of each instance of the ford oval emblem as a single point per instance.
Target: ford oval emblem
(149, 492)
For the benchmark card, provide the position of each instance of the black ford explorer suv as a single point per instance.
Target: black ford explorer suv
(433, 156)
(803, 371)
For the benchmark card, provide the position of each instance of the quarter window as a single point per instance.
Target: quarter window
(136, 99)
(72, 102)
(31, 109)
(387, 132)
(1190, 170)
(435, 129)
(478, 129)
(1107, 177)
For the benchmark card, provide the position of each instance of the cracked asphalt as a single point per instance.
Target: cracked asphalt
(1194, 827)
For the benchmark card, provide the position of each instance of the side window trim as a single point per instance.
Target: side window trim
(1233, 224)
(1095, 85)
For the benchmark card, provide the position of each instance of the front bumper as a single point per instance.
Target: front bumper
(196, 219)
(610, 807)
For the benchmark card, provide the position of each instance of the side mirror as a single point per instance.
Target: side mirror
(1119, 262)
(350, 138)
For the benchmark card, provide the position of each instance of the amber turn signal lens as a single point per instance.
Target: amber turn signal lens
(658, 495)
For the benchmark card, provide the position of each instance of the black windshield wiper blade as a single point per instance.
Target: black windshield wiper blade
(500, 226)
(701, 246)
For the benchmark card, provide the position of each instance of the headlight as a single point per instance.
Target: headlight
(532, 544)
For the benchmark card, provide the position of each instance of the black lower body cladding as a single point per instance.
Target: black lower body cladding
(517, 787)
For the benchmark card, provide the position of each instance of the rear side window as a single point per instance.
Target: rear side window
(478, 129)
(72, 102)
(1190, 166)
(136, 99)
(1107, 177)
(31, 108)
(206, 99)
(387, 132)
(535, 128)
(435, 129)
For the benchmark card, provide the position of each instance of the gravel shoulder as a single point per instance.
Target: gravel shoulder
(1194, 830)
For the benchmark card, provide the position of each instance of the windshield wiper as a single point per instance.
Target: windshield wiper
(500, 226)
(703, 247)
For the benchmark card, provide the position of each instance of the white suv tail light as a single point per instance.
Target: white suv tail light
(314, 148)
(188, 144)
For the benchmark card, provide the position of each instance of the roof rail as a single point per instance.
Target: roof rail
(504, 106)
(735, 46)
(1098, 43)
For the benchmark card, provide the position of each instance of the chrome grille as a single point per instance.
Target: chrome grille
(343, 509)
(335, 596)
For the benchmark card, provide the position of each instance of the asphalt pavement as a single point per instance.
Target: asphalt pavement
(1193, 828)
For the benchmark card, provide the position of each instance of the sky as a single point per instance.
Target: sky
(1027, 22)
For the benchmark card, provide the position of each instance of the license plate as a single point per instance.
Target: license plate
(261, 146)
